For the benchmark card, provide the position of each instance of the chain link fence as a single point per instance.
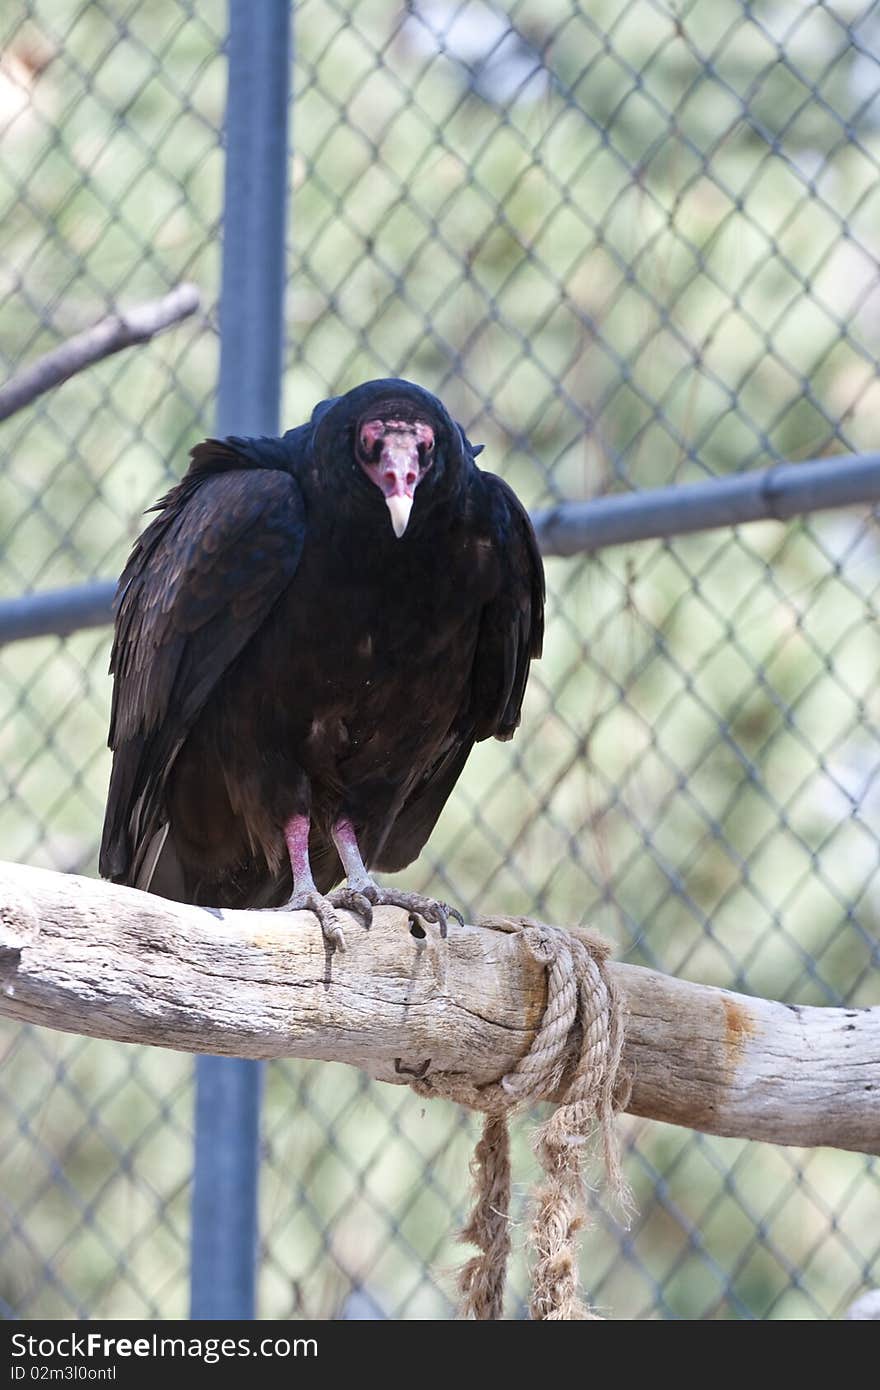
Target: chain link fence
(629, 246)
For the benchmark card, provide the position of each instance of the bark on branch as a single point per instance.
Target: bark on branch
(112, 334)
(93, 958)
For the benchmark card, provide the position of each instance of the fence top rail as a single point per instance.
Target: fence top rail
(777, 493)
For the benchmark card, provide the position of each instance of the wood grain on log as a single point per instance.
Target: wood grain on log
(94, 958)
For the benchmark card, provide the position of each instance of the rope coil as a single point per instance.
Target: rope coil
(574, 1060)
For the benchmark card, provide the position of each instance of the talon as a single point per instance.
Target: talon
(365, 908)
(322, 908)
(335, 936)
(431, 909)
(353, 900)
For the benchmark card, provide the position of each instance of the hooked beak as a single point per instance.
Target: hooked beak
(398, 470)
(400, 506)
(395, 453)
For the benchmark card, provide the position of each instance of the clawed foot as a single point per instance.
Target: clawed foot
(360, 894)
(324, 909)
(354, 900)
(370, 895)
(361, 901)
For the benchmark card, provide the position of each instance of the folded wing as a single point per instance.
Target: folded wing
(199, 584)
(510, 636)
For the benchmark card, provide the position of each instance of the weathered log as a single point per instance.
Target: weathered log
(93, 958)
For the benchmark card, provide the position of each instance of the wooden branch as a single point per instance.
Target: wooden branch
(112, 334)
(110, 962)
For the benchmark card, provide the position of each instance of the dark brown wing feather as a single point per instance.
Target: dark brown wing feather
(512, 627)
(511, 635)
(199, 583)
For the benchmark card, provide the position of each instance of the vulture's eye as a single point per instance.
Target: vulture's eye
(371, 447)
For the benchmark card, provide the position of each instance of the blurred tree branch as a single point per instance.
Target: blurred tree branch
(136, 325)
(110, 962)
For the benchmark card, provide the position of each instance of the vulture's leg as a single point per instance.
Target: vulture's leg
(305, 896)
(362, 890)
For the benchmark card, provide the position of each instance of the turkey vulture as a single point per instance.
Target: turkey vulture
(309, 639)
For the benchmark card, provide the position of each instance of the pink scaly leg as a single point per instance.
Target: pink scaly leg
(305, 896)
(346, 843)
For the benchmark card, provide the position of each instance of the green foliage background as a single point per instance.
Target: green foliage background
(629, 246)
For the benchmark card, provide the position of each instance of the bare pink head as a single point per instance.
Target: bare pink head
(395, 453)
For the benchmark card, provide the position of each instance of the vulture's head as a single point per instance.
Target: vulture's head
(390, 443)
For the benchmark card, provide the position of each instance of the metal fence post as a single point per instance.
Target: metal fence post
(224, 1214)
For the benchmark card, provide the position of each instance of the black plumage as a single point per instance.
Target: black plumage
(310, 637)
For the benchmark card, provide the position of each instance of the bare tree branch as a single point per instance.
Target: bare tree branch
(112, 334)
(93, 958)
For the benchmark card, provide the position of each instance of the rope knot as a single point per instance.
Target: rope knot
(574, 1060)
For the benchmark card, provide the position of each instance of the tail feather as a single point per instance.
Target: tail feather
(161, 871)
